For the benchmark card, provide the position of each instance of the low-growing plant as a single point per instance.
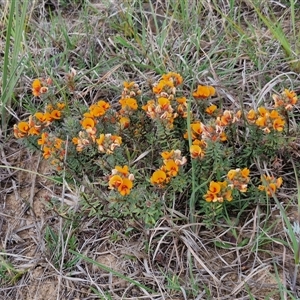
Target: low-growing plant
(157, 148)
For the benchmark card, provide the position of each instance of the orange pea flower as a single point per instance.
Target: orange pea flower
(278, 124)
(211, 109)
(115, 181)
(88, 123)
(123, 170)
(158, 177)
(251, 116)
(214, 187)
(23, 127)
(36, 88)
(196, 151)
(128, 103)
(55, 114)
(125, 187)
(124, 122)
(204, 91)
(175, 77)
(171, 168)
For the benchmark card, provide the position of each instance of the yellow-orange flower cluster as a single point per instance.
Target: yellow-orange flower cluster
(53, 148)
(204, 91)
(286, 100)
(228, 117)
(23, 129)
(128, 103)
(201, 134)
(270, 184)
(166, 87)
(163, 108)
(171, 163)
(40, 87)
(211, 109)
(52, 113)
(108, 142)
(39, 121)
(218, 191)
(121, 180)
(130, 90)
(82, 140)
(239, 179)
(89, 123)
(265, 119)
(96, 111)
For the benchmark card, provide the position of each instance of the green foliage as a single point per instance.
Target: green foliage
(137, 160)
(14, 60)
(55, 243)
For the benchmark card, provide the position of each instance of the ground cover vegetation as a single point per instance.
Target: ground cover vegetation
(149, 150)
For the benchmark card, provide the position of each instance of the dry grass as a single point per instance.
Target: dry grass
(207, 43)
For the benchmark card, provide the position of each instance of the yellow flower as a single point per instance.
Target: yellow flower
(60, 106)
(105, 105)
(36, 88)
(96, 111)
(43, 139)
(88, 123)
(226, 118)
(291, 95)
(261, 121)
(115, 181)
(223, 136)
(231, 174)
(175, 77)
(100, 140)
(245, 172)
(210, 197)
(196, 151)
(58, 143)
(197, 128)
(40, 116)
(125, 187)
(181, 100)
(228, 195)
(56, 114)
(128, 103)
(158, 177)
(122, 170)
(35, 130)
(270, 184)
(211, 109)
(164, 103)
(167, 155)
(162, 84)
(278, 124)
(48, 117)
(171, 168)
(251, 116)
(128, 85)
(279, 182)
(124, 122)
(274, 114)
(47, 152)
(75, 140)
(214, 187)
(204, 91)
(263, 111)
(23, 127)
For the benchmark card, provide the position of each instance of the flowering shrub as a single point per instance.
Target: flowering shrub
(151, 136)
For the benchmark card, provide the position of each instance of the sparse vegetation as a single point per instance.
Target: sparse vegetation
(149, 150)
